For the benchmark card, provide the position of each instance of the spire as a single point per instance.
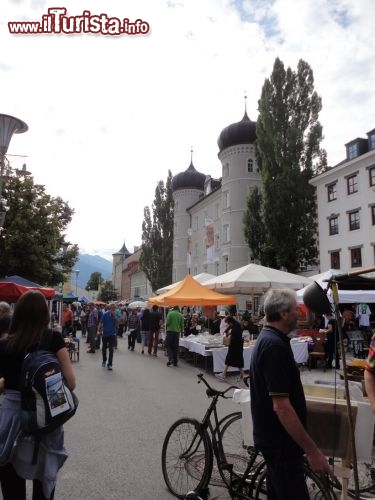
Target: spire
(191, 166)
(245, 116)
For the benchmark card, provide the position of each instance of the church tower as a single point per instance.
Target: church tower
(240, 174)
(187, 188)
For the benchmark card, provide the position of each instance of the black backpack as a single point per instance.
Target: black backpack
(46, 402)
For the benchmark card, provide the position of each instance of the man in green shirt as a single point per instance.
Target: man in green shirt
(174, 326)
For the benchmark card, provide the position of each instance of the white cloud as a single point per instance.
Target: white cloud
(109, 116)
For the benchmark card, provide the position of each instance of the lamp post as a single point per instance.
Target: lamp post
(76, 272)
(9, 125)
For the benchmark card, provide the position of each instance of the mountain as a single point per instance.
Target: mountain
(88, 264)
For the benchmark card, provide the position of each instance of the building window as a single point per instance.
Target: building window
(352, 151)
(372, 141)
(356, 257)
(226, 170)
(352, 184)
(332, 191)
(250, 165)
(373, 214)
(335, 260)
(372, 176)
(136, 291)
(226, 199)
(217, 241)
(226, 235)
(354, 221)
(333, 226)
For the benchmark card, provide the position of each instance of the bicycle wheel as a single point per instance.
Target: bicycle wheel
(236, 454)
(186, 457)
(317, 489)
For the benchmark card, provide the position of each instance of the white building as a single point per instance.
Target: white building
(346, 209)
(208, 213)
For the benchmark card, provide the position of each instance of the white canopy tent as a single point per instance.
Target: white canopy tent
(252, 279)
(345, 296)
(201, 278)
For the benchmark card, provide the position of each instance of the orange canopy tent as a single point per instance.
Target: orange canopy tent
(190, 292)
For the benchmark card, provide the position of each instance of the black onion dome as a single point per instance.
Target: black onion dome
(191, 178)
(243, 132)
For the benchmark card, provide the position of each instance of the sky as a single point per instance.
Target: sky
(108, 116)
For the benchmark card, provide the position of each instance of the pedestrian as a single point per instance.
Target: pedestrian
(155, 325)
(330, 342)
(369, 374)
(145, 329)
(67, 315)
(83, 318)
(234, 355)
(134, 324)
(223, 325)
(92, 327)
(174, 327)
(5, 317)
(278, 403)
(108, 329)
(28, 332)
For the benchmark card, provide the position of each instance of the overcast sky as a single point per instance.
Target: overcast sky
(108, 116)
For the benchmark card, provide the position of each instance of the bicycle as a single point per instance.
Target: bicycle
(190, 446)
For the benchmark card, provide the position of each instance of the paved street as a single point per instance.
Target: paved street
(115, 439)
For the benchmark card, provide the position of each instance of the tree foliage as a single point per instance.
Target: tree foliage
(157, 236)
(94, 282)
(253, 224)
(289, 154)
(33, 240)
(107, 292)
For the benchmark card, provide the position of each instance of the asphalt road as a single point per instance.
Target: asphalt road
(115, 438)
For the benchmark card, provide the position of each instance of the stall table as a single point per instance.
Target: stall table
(218, 354)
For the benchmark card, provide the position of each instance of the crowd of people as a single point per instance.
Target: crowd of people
(278, 404)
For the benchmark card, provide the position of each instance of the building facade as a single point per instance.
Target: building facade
(208, 213)
(346, 209)
(128, 280)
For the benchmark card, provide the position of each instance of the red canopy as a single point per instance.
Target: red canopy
(11, 292)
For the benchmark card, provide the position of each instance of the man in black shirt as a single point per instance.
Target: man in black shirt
(278, 404)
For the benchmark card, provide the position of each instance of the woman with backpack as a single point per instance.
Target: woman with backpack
(29, 333)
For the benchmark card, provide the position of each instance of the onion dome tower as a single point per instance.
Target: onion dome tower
(187, 188)
(240, 174)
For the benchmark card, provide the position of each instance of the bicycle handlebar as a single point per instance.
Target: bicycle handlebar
(213, 392)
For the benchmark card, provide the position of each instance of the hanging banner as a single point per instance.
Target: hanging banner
(210, 240)
(188, 255)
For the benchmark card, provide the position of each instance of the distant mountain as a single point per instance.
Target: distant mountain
(88, 264)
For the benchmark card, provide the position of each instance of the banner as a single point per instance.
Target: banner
(188, 255)
(210, 239)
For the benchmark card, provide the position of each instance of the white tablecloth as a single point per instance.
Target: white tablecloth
(300, 352)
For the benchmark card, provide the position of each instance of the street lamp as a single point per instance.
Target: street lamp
(76, 271)
(9, 125)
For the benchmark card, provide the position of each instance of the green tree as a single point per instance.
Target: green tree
(289, 154)
(94, 282)
(157, 236)
(107, 292)
(253, 224)
(32, 242)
